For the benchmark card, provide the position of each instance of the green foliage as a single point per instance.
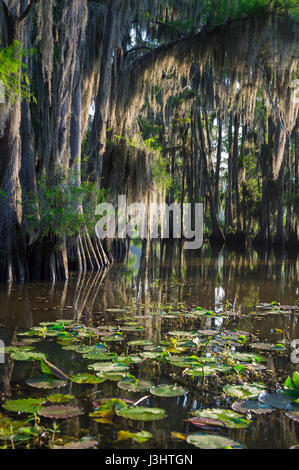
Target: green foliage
(62, 208)
(292, 385)
(13, 72)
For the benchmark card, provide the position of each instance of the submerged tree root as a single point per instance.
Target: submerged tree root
(52, 260)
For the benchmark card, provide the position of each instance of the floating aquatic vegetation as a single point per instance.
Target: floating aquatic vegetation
(207, 371)
(140, 413)
(60, 412)
(100, 356)
(108, 367)
(210, 441)
(204, 353)
(85, 378)
(279, 400)
(142, 436)
(229, 418)
(168, 391)
(248, 357)
(268, 346)
(26, 355)
(134, 385)
(205, 423)
(24, 405)
(251, 406)
(59, 398)
(45, 382)
(244, 391)
(78, 445)
(107, 408)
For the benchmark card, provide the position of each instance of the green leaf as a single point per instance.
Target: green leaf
(24, 405)
(140, 413)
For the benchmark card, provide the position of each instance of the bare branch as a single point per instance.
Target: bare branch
(27, 11)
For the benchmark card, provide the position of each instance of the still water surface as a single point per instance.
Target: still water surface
(156, 280)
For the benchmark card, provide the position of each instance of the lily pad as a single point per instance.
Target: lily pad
(210, 441)
(168, 391)
(24, 405)
(244, 391)
(108, 367)
(107, 408)
(140, 413)
(131, 385)
(205, 422)
(60, 412)
(100, 356)
(86, 379)
(59, 398)
(28, 356)
(78, 445)
(279, 400)
(230, 418)
(251, 406)
(142, 436)
(46, 382)
(249, 357)
(141, 342)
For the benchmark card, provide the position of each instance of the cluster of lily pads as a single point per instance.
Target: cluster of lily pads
(229, 362)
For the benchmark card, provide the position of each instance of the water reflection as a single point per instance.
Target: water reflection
(153, 278)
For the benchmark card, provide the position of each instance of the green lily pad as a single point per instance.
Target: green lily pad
(108, 367)
(168, 391)
(210, 441)
(209, 370)
(100, 356)
(45, 382)
(112, 376)
(60, 412)
(131, 385)
(107, 408)
(249, 357)
(112, 338)
(140, 413)
(78, 445)
(150, 355)
(130, 359)
(28, 356)
(59, 398)
(244, 391)
(142, 436)
(230, 418)
(24, 405)
(86, 379)
(141, 342)
(79, 349)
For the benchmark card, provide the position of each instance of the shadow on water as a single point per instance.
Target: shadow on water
(154, 278)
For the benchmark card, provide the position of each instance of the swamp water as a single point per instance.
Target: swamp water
(204, 336)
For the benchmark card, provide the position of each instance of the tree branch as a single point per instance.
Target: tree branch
(27, 11)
